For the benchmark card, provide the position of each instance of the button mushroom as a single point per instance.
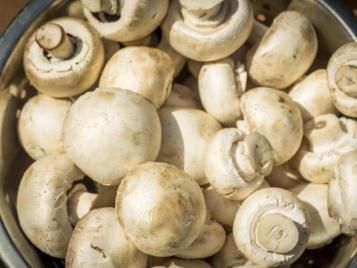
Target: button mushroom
(208, 30)
(161, 208)
(342, 78)
(181, 96)
(109, 131)
(271, 227)
(285, 52)
(98, 240)
(64, 57)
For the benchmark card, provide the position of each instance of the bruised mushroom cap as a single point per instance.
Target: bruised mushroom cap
(40, 126)
(110, 131)
(342, 203)
(236, 163)
(135, 19)
(342, 78)
(161, 208)
(271, 227)
(181, 96)
(72, 76)
(143, 70)
(323, 228)
(273, 114)
(208, 33)
(98, 240)
(178, 263)
(41, 203)
(185, 136)
(285, 52)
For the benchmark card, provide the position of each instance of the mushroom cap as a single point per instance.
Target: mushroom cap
(161, 208)
(40, 126)
(185, 137)
(178, 263)
(323, 228)
(110, 131)
(98, 240)
(181, 96)
(285, 52)
(137, 19)
(41, 203)
(143, 70)
(209, 40)
(271, 227)
(342, 79)
(65, 78)
(276, 116)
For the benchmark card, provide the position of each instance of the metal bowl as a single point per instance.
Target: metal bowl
(334, 24)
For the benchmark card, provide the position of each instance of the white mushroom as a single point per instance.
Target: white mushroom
(312, 95)
(185, 136)
(342, 200)
(40, 126)
(110, 131)
(323, 229)
(98, 240)
(273, 114)
(178, 263)
(285, 52)
(64, 57)
(271, 227)
(125, 20)
(342, 78)
(41, 203)
(208, 30)
(237, 163)
(143, 70)
(161, 208)
(181, 96)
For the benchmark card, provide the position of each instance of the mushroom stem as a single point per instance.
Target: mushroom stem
(106, 6)
(346, 80)
(52, 38)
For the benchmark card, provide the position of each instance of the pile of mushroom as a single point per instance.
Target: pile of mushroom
(239, 158)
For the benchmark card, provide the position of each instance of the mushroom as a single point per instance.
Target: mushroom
(208, 30)
(178, 263)
(98, 240)
(74, 9)
(64, 57)
(284, 176)
(323, 228)
(185, 136)
(41, 203)
(342, 79)
(271, 227)
(273, 114)
(237, 163)
(312, 95)
(160, 208)
(342, 202)
(143, 70)
(285, 52)
(221, 83)
(327, 137)
(125, 20)
(181, 96)
(109, 131)
(40, 126)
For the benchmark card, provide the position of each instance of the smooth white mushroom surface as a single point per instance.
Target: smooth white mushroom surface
(110, 131)
(161, 208)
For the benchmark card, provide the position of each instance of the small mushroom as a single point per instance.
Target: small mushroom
(181, 96)
(40, 126)
(178, 263)
(143, 70)
(42, 203)
(273, 114)
(185, 136)
(285, 52)
(208, 30)
(271, 227)
(161, 208)
(125, 20)
(64, 57)
(342, 79)
(237, 163)
(109, 131)
(323, 228)
(98, 240)
(342, 202)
